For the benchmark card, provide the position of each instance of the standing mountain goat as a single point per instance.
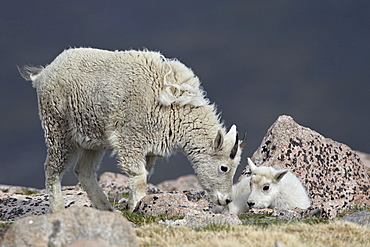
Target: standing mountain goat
(267, 187)
(138, 104)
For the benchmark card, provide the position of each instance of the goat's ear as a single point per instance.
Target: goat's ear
(219, 140)
(251, 164)
(231, 135)
(280, 174)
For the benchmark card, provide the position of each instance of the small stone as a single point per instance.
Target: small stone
(89, 243)
(361, 218)
(201, 221)
(171, 204)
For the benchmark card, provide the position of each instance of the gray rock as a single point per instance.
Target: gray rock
(69, 227)
(195, 195)
(182, 183)
(190, 204)
(88, 243)
(279, 244)
(116, 183)
(10, 189)
(15, 206)
(281, 213)
(332, 172)
(203, 219)
(361, 218)
(171, 204)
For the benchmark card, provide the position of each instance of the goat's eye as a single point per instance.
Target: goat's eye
(224, 168)
(266, 187)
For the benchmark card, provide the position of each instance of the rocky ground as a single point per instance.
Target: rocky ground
(336, 177)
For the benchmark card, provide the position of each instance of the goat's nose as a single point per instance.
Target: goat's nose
(228, 201)
(250, 204)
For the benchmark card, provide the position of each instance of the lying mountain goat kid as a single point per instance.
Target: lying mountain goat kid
(272, 188)
(267, 187)
(138, 104)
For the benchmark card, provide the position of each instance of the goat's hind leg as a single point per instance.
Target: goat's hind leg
(150, 160)
(56, 163)
(85, 169)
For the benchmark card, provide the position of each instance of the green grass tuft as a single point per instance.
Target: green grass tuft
(5, 224)
(144, 219)
(27, 192)
(353, 209)
(114, 198)
(261, 220)
(216, 228)
(314, 220)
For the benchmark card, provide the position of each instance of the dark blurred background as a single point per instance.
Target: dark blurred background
(256, 59)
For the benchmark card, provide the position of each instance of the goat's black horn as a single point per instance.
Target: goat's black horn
(234, 150)
(244, 141)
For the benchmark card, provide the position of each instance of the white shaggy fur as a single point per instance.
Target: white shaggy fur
(267, 187)
(138, 104)
(272, 188)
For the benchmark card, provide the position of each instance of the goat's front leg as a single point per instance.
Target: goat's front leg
(54, 190)
(137, 189)
(134, 166)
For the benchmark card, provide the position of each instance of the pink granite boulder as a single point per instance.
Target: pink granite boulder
(332, 172)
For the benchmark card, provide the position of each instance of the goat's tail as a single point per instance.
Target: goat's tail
(30, 73)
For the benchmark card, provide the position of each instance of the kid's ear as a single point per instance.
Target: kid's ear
(280, 174)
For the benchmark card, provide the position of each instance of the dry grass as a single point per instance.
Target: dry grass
(335, 233)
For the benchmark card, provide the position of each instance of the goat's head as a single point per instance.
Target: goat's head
(216, 173)
(264, 185)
